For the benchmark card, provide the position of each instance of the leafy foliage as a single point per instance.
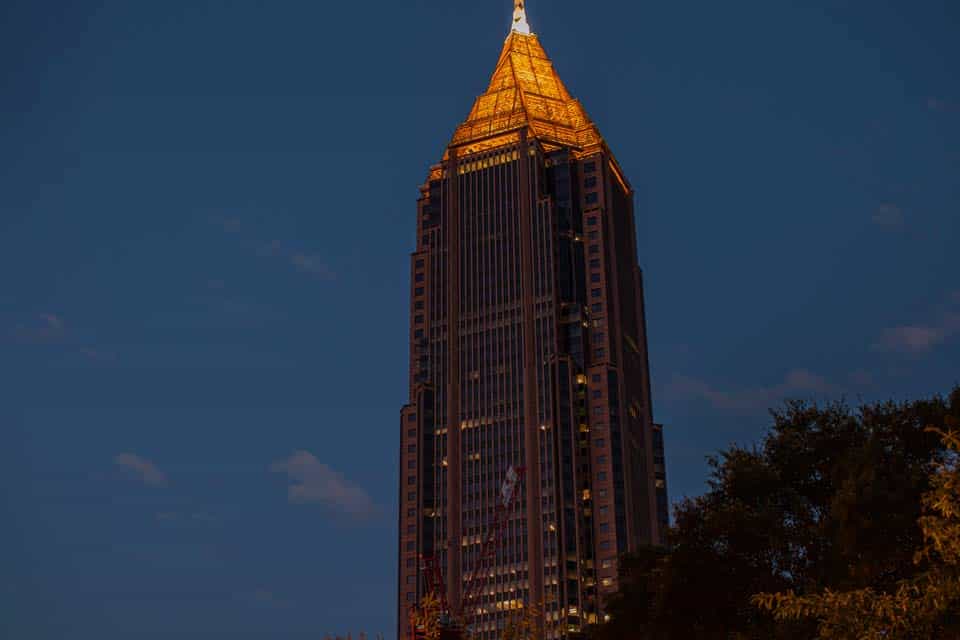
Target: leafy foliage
(924, 606)
(523, 624)
(831, 499)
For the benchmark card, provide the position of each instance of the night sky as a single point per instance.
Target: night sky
(206, 211)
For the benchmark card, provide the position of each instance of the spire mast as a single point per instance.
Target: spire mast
(520, 18)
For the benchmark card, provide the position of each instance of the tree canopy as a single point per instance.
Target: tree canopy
(830, 499)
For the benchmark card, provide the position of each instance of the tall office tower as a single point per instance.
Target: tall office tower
(527, 349)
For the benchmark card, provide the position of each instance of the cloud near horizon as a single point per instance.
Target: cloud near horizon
(313, 482)
(147, 471)
(920, 338)
(40, 328)
(798, 382)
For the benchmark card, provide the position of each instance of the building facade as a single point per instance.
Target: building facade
(528, 350)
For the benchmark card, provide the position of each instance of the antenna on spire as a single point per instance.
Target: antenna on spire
(520, 18)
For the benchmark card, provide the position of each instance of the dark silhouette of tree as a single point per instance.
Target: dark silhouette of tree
(830, 499)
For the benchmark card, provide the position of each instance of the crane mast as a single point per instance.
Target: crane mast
(449, 624)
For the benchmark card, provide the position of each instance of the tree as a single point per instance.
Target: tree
(830, 499)
(925, 606)
(523, 623)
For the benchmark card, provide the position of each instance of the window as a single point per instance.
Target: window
(411, 464)
(598, 338)
(592, 220)
(418, 277)
(594, 249)
(418, 319)
(596, 293)
(412, 433)
(605, 546)
(599, 443)
(596, 393)
(602, 476)
(592, 197)
(411, 496)
(411, 562)
(596, 307)
(592, 235)
(598, 411)
(418, 333)
(594, 263)
(411, 579)
(418, 291)
(409, 597)
(595, 378)
(411, 480)
(594, 277)
(590, 182)
(604, 527)
(419, 264)
(604, 509)
(411, 448)
(600, 353)
(418, 305)
(602, 460)
(589, 167)
(411, 513)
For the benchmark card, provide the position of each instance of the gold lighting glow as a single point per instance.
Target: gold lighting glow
(526, 92)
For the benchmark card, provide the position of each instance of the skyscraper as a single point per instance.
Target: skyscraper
(527, 350)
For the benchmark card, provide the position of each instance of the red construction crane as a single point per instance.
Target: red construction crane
(450, 623)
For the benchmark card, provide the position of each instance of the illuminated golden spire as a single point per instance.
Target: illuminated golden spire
(520, 18)
(525, 92)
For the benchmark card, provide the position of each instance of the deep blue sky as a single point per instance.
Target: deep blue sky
(206, 209)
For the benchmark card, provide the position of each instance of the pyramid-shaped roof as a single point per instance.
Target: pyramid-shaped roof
(526, 92)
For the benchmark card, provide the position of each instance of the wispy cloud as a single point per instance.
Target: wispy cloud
(941, 105)
(313, 482)
(313, 265)
(920, 338)
(888, 215)
(797, 383)
(40, 328)
(147, 471)
(303, 262)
